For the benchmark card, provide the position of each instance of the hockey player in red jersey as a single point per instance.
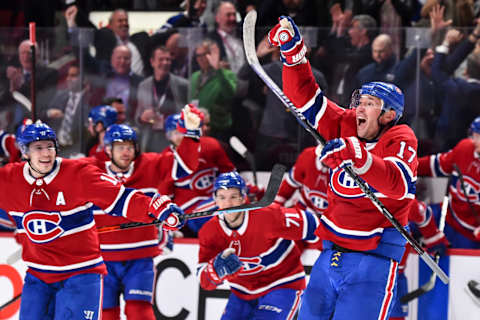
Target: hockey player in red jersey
(129, 253)
(462, 226)
(356, 272)
(255, 253)
(52, 210)
(188, 192)
(310, 177)
(99, 119)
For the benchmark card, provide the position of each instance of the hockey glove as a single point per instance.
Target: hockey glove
(346, 152)
(190, 122)
(286, 36)
(163, 209)
(254, 192)
(223, 265)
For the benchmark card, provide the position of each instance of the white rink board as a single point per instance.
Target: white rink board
(178, 291)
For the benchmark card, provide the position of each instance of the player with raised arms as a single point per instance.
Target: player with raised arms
(356, 272)
(51, 207)
(129, 253)
(255, 253)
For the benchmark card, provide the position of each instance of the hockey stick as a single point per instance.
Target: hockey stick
(272, 189)
(240, 148)
(32, 30)
(430, 284)
(250, 52)
(20, 98)
(9, 302)
(14, 257)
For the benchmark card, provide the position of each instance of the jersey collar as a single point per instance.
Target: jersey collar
(48, 178)
(125, 175)
(240, 230)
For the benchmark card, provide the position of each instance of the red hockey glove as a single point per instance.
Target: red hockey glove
(225, 264)
(163, 209)
(286, 36)
(190, 122)
(437, 244)
(346, 152)
(255, 193)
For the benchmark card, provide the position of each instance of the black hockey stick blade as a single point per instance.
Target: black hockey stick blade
(428, 286)
(6, 304)
(274, 182)
(250, 52)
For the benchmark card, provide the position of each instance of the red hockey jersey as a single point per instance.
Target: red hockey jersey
(144, 174)
(310, 177)
(264, 243)
(351, 219)
(190, 191)
(459, 214)
(54, 219)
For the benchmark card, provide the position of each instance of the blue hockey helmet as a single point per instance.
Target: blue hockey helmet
(475, 126)
(105, 114)
(230, 180)
(119, 133)
(35, 132)
(171, 122)
(390, 94)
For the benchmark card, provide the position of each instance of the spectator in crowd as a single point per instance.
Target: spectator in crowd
(458, 93)
(117, 104)
(225, 35)
(189, 18)
(18, 74)
(384, 61)
(347, 55)
(67, 114)
(214, 87)
(278, 134)
(121, 82)
(159, 96)
(181, 62)
(116, 33)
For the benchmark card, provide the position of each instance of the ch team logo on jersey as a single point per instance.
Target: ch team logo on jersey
(318, 200)
(251, 266)
(42, 226)
(472, 189)
(203, 180)
(344, 186)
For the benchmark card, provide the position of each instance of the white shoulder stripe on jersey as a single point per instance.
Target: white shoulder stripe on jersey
(119, 195)
(280, 281)
(179, 160)
(350, 231)
(413, 178)
(131, 245)
(64, 267)
(291, 180)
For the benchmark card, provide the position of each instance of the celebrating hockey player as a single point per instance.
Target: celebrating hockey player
(310, 177)
(51, 207)
(195, 188)
(99, 119)
(255, 253)
(462, 162)
(129, 253)
(355, 274)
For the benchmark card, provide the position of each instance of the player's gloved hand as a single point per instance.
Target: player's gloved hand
(163, 209)
(437, 244)
(476, 233)
(346, 152)
(225, 264)
(190, 123)
(286, 36)
(255, 193)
